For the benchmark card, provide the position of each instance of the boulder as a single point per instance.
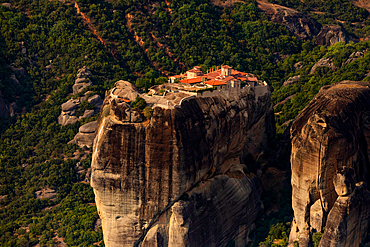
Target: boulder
(65, 119)
(79, 87)
(85, 135)
(88, 113)
(88, 128)
(80, 80)
(95, 100)
(70, 105)
(46, 193)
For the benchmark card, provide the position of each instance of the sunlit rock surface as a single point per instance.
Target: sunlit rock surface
(177, 179)
(332, 132)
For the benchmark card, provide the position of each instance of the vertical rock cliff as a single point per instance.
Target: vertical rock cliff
(331, 133)
(177, 179)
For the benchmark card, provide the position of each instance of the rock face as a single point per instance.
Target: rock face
(177, 179)
(85, 135)
(332, 132)
(299, 24)
(331, 34)
(348, 220)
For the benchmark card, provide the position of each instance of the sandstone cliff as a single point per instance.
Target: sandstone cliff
(332, 132)
(177, 179)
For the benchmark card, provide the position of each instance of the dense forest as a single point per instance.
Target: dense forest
(44, 43)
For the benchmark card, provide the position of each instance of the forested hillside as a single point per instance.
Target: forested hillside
(44, 43)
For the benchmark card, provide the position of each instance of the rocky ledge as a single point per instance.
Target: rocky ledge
(178, 179)
(331, 136)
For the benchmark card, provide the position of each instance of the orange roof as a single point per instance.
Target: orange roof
(226, 67)
(215, 82)
(124, 100)
(252, 79)
(228, 78)
(193, 80)
(235, 72)
(213, 74)
(177, 76)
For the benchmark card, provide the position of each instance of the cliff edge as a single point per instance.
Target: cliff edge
(177, 179)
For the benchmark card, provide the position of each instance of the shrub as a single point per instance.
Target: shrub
(106, 111)
(139, 104)
(148, 112)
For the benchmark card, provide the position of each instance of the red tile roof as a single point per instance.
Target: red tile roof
(228, 78)
(192, 81)
(215, 82)
(242, 78)
(252, 79)
(215, 77)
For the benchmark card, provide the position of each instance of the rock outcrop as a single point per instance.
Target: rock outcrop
(83, 80)
(292, 80)
(177, 179)
(354, 56)
(85, 135)
(69, 108)
(331, 34)
(332, 132)
(46, 193)
(297, 23)
(323, 62)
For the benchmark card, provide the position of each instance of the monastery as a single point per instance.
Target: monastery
(224, 80)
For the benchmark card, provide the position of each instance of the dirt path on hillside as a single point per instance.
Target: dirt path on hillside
(140, 43)
(95, 31)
